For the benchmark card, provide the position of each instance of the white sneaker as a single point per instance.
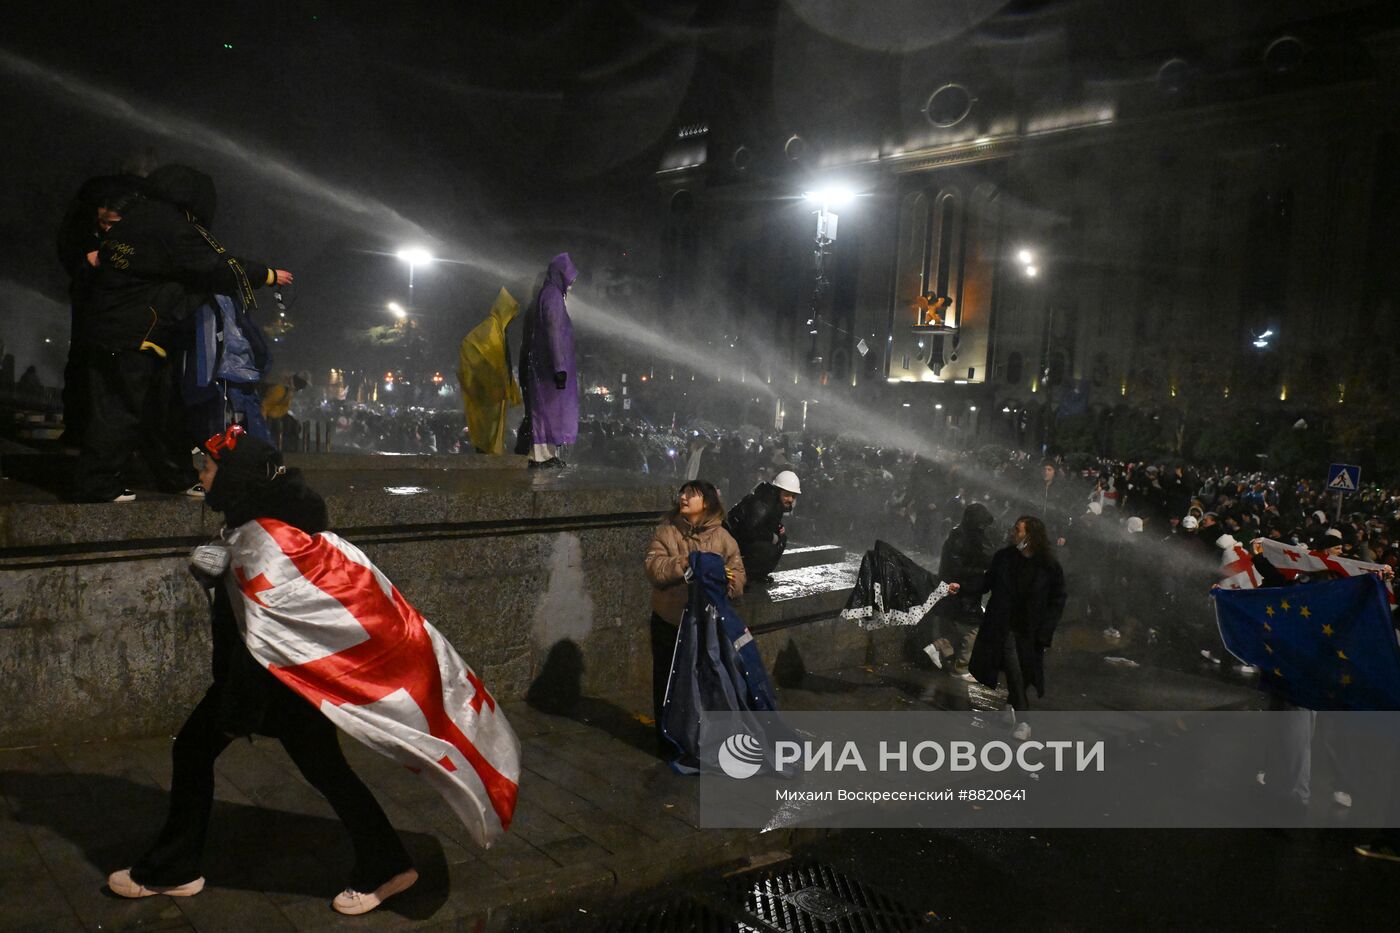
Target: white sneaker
(1341, 798)
(195, 492)
(126, 495)
(122, 885)
(354, 902)
(1205, 653)
(967, 676)
(934, 655)
(1260, 778)
(1021, 732)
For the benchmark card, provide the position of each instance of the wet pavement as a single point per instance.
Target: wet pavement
(604, 828)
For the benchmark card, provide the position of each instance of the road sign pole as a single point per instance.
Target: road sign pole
(1339, 508)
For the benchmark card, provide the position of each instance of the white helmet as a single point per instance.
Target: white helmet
(787, 482)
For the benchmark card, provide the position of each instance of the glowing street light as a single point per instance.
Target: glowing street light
(1032, 271)
(1025, 257)
(415, 256)
(833, 196)
(397, 310)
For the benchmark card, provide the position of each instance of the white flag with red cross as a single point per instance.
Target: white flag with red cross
(321, 617)
(1238, 571)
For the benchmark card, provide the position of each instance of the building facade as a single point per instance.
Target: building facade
(1164, 229)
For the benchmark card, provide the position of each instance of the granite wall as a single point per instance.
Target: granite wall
(104, 633)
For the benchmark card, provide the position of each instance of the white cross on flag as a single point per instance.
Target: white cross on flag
(321, 617)
(1237, 566)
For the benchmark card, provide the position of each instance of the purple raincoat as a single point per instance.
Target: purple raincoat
(550, 345)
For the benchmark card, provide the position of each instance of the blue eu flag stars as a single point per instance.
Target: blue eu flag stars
(1323, 646)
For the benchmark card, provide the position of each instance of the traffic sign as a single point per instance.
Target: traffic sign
(1343, 477)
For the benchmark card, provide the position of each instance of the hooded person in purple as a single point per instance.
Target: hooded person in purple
(548, 374)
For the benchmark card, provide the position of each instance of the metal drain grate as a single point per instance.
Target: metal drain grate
(817, 898)
(790, 897)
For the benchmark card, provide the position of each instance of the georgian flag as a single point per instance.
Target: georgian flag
(1237, 567)
(321, 617)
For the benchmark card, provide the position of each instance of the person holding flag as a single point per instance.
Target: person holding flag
(309, 635)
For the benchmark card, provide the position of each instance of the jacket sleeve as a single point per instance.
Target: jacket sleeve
(734, 563)
(664, 565)
(195, 263)
(1268, 573)
(749, 519)
(552, 315)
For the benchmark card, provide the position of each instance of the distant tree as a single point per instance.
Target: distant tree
(1137, 434)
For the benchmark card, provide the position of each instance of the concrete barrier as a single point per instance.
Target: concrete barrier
(104, 633)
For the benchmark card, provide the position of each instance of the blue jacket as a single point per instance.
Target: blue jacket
(716, 666)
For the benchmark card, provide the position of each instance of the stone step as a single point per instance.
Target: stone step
(797, 558)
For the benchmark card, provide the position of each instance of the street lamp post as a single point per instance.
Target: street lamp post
(825, 199)
(415, 256)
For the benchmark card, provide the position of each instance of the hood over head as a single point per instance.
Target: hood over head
(562, 271)
(188, 189)
(505, 307)
(977, 516)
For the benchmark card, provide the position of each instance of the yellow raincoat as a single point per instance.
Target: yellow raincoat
(489, 388)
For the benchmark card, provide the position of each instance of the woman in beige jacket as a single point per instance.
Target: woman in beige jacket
(695, 524)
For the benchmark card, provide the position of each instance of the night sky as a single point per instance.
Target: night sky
(493, 134)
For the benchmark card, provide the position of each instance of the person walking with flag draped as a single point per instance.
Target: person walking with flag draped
(309, 635)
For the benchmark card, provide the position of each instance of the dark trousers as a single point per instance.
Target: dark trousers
(311, 741)
(663, 648)
(132, 404)
(1015, 679)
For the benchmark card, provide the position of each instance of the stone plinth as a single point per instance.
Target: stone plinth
(104, 633)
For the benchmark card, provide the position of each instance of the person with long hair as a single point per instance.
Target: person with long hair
(1027, 588)
(696, 523)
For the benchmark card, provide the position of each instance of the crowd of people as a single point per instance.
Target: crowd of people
(1141, 542)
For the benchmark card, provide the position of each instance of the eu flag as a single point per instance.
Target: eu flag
(1325, 646)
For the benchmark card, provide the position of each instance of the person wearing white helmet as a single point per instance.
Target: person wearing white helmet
(757, 523)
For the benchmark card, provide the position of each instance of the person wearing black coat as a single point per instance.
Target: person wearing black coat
(965, 559)
(757, 523)
(1028, 596)
(77, 241)
(156, 264)
(245, 480)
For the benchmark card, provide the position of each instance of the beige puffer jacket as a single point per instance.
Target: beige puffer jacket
(669, 556)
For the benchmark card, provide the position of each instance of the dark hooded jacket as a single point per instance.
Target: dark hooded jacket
(247, 487)
(159, 263)
(758, 520)
(967, 554)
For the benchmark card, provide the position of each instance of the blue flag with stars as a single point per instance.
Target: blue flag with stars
(1327, 646)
